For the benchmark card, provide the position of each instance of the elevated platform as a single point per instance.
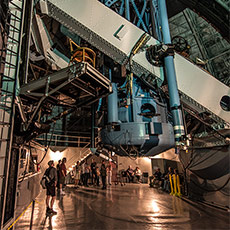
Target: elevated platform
(77, 85)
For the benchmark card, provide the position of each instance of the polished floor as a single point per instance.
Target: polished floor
(134, 206)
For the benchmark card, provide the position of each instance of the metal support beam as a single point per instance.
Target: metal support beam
(198, 39)
(139, 16)
(93, 126)
(171, 77)
(26, 42)
(127, 10)
(112, 103)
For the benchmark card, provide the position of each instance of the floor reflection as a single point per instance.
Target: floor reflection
(134, 206)
(47, 219)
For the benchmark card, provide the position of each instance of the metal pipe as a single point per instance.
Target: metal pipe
(122, 8)
(32, 215)
(26, 40)
(127, 10)
(139, 16)
(153, 23)
(93, 126)
(174, 99)
(142, 12)
(112, 103)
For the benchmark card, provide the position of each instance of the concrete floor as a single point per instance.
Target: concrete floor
(134, 206)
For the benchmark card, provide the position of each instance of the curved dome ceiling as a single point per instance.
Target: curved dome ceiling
(215, 12)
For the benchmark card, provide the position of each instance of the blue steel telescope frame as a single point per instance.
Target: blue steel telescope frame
(143, 14)
(151, 16)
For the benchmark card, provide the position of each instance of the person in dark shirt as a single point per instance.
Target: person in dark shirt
(166, 185)
(158, 174)
(77, 174)
(87, 173)
(103, 174)
(93, 170)
(130, 174)
(157, 180)
(51, 172)
(62, 175)
(58, 173)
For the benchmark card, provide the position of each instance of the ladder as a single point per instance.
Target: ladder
(9, 60)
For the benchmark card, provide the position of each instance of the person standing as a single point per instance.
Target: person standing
(109, 171)
(62, 174)
(93, 170)
(98, 175)
(58, 173)
(77, 174)
(87, 173)
(83, 172)
(51, 173)
(103, 174)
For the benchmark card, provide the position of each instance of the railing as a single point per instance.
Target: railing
(82, 54)
(84, 153)
(64, 140)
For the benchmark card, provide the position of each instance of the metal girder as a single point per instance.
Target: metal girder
(72, 81)
(193, 82)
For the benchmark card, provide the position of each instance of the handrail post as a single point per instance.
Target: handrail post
(32, 215)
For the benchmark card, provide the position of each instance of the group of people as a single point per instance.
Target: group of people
(162, 180)
(132, 173)
(56, 179)
(82, 172)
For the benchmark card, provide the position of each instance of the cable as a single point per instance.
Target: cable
(132, 158)
(24, 173)
(30, 154)
(47, 147)
(225, 194)
(197, 163)
(213, 190)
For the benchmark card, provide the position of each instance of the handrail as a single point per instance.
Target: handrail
(61, 135)
(78, 140)
(80, 54)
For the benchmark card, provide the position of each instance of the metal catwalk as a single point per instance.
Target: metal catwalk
(134, 206)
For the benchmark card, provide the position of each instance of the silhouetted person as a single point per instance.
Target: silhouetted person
(130, 174)
(51, 173)
(62, 174)
(58, 173)
(103, 174)
(93, 170)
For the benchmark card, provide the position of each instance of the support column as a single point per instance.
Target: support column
(112, 103)
(93, 126)
(174, 99)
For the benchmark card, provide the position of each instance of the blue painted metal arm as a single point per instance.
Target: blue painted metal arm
(171, 77)
(127, 10)
(139, 16)
(112, 103)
